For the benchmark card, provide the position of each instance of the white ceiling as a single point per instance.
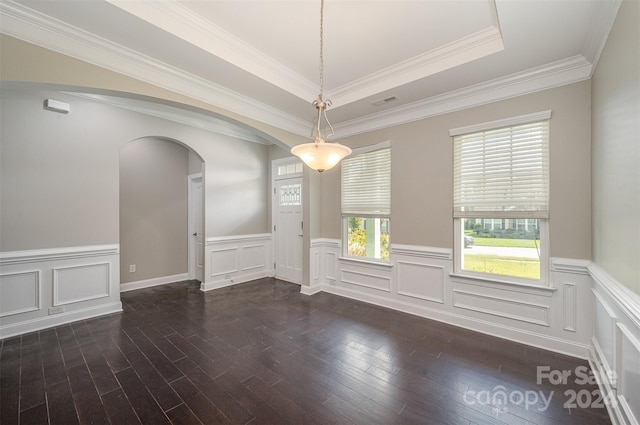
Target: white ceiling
(260, 58)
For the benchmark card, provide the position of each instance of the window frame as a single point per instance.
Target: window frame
(458, 219)
(345, 239)
(458, 246)
(346, 215)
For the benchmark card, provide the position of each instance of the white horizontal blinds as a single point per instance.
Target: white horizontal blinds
(504, 170)
(366, 183)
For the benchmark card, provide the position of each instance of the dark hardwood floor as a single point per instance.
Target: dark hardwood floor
(262, 353)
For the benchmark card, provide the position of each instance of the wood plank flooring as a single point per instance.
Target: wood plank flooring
(262, 353)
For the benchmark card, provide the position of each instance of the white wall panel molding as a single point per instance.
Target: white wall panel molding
(331, 270)
(147, 283)
(73, 284)
(323, 264)
(502, 307)
(570, 307)
(536, 290)
(20, 292)
(568, 265)
(536, 339)
(628, 301)
(223, 261)
(604, 331)
(230, 260)
(422, 252)
(325, 243)
(353, 276)
(48, 287)
(422, 281)
(615, 355)
(628, 372)
(56, 254)
(419, 280)
(254, 257)
(315, 269)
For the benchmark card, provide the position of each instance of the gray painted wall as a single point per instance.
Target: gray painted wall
(153, 209)
(59, 173)
(422, 171)
(616, 150)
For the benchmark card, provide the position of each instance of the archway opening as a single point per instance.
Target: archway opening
(155, 235)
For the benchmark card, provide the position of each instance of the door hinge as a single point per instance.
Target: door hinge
(274, 228)
(302, 225)
(274, 266)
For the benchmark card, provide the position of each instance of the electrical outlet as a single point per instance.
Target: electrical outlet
(132, 268)
(56, 310)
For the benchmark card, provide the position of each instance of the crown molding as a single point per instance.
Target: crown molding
(602, 21)
(36, 28)
(466, 49)
(183, 23)
(552, 75)
(31, 26)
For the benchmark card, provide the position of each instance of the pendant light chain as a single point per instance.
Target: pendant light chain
(321, 48)
(321, 155)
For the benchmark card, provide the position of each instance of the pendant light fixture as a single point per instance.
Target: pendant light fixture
(321, 155)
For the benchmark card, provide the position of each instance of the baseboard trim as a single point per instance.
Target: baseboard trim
(310, 290)
(58, 319)
(223, 283)
(608, 393)
(489, 328)
(147, 283)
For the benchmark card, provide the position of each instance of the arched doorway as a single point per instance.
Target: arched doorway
(156, 176)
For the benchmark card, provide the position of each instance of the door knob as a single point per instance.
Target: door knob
(195, 234)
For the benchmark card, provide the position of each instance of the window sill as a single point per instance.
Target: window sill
(506, 284)
(367, 261)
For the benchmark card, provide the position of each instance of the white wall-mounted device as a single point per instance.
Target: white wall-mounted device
(56, 106)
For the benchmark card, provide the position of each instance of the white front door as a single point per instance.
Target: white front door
(288, 229)
(196, 225)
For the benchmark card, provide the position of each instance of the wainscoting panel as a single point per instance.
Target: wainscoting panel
(75, 284)
(629, 372)
(604, 331)
(615, 355)
(49, 287)
(223, 261)
(502, 307)
(570, 307)
(19, 292)
(356, 275)
(331, 266)
(422, 281)
(419, 280)
(231, 260)
(254, 257)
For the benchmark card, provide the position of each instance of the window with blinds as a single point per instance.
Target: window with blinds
(366, 183)
(366, 202)
(502, 171)
(501, 199)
